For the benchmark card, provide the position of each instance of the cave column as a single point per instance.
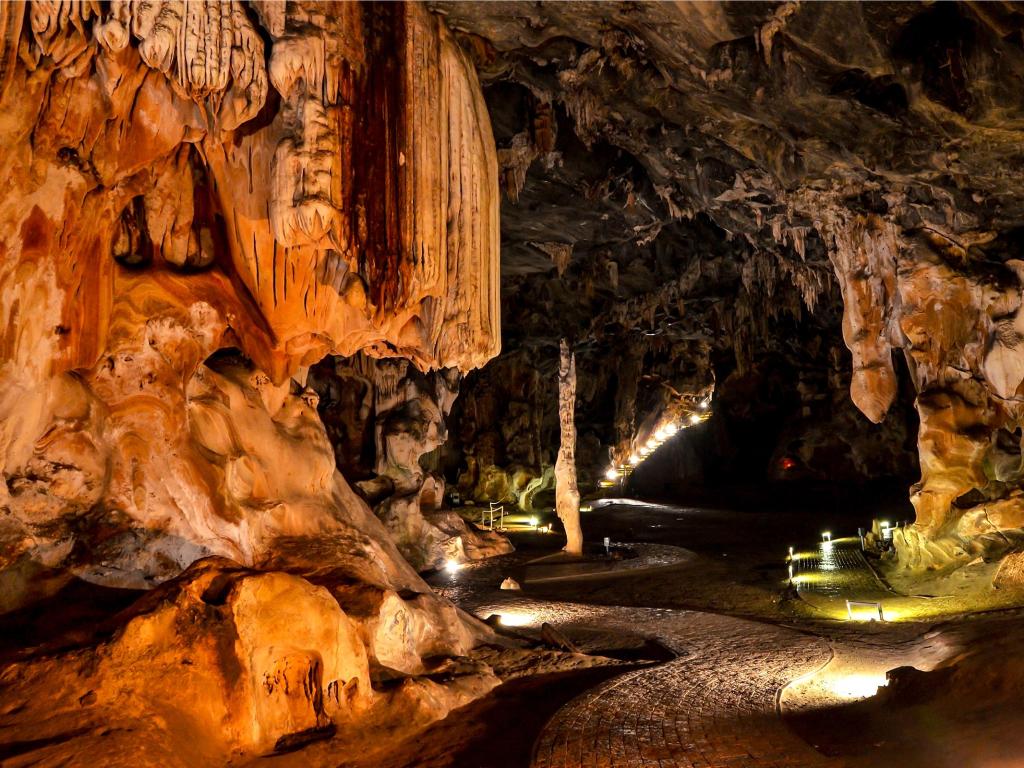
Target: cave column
(567, 495)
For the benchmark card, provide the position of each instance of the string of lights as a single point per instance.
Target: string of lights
(666, 430)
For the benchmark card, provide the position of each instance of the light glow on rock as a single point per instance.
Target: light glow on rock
(857, 686)
(517, 619)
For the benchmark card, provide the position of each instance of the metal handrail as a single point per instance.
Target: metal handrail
(493, 506)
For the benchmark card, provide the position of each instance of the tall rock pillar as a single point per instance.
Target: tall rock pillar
(567, 495)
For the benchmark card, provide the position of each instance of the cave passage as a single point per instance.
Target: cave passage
(462, 384)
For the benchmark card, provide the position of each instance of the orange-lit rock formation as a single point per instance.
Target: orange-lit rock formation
(956, 325)
(201, 200)
(170, 195)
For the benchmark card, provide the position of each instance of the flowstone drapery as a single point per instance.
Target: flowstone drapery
(202, 199)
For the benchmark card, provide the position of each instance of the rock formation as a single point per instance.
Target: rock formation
(248, 250)
(402, 413)
(496, 434)
(203, 199)
(721, 183)
(567, 495)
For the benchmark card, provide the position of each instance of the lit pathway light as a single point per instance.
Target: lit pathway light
(863, 610)
(856, 686)
(515, 619)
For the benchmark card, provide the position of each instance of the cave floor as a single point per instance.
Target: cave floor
(759, 676)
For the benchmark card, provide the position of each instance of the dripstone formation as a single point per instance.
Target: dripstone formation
(261, 319)
(200, 201)
(782, 202)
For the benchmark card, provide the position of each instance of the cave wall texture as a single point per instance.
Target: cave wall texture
(185, 181)
(200, 201)
(249, 253)
(714, 195)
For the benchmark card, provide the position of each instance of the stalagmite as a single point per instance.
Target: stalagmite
(567, 495)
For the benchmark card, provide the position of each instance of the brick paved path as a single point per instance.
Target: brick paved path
(832, 573)
(713, 707)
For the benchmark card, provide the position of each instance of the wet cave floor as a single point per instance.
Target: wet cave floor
(721, 664)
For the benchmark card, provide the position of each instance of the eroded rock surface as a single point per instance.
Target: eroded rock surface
(389, 421)
(720, 184)
(227, 661)
(201, 200)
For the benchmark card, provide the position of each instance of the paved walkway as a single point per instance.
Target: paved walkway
(713, 707)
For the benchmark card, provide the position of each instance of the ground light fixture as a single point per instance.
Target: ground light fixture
(452, 566)
(826, 536)
(533, 522)
(612, 473)
(864, 610)
(856, 686)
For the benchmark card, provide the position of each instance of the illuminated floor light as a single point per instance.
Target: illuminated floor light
(695, 419)
(516, 619)
(611, 474)
(857, 686)
(826, 536)
(863, 610)
(533, 521)
(452, 566)
(634, 459)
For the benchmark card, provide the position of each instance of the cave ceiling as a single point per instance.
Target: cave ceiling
(657, 135)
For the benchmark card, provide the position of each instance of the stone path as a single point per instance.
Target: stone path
(831, 574)
(713, 707)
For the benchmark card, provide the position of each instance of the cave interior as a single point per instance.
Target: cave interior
(504, 384)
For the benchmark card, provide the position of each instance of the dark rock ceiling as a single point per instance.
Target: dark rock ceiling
(671, 170)
(767, 118)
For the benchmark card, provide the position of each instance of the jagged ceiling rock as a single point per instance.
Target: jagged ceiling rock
(780, 161)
